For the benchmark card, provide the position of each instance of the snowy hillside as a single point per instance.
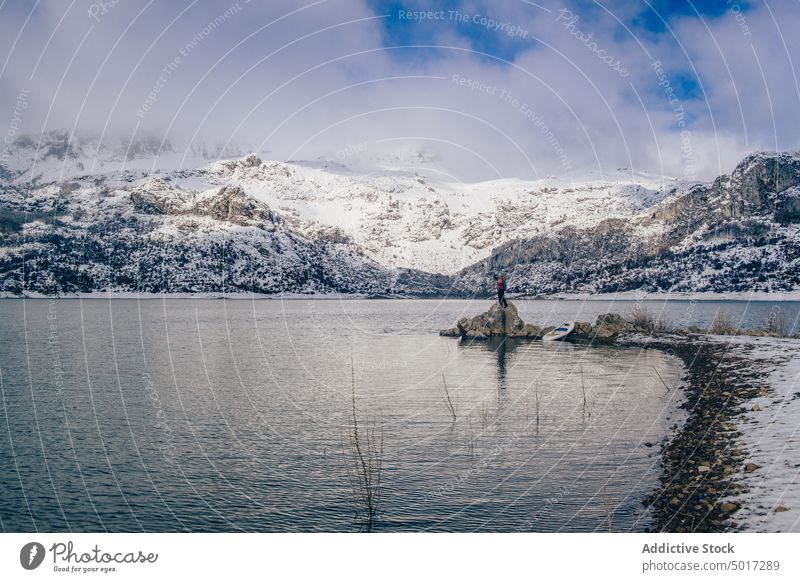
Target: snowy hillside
(397, 215)
(135, 231)
(740, 233)
(77, 217)
(403, 218)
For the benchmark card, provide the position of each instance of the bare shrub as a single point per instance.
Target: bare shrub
(609, 513)
(451, 408)
(469, 437)
(364, 465)
(485, 414)
(583, 388)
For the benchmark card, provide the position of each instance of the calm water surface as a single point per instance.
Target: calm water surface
(211, 415)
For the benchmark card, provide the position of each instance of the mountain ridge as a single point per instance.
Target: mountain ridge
(739, 233)
(248, 225)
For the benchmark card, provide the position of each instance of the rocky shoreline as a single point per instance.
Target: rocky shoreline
(703, 461)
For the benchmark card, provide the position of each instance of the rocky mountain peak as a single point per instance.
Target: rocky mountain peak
(232, 204)
(761, 176)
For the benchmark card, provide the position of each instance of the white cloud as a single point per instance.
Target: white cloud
(317, 82)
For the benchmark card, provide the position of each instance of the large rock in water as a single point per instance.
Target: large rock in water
(498, 321)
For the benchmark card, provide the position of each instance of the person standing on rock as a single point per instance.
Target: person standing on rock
(501, 291)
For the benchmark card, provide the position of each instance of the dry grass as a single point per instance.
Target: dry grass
(643, 319)
(664, 326)
(724, 324)
(775, 323)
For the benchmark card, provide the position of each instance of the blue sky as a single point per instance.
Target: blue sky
(400, 32)
(646, 18)
(517, 88)
(650, 20)
(652, 15)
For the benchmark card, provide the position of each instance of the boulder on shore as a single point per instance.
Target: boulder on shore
(610, 325)
(505, 322)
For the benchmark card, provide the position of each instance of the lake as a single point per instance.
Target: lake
(236, 415)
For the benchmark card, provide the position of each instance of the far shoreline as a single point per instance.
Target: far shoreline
(626, 296)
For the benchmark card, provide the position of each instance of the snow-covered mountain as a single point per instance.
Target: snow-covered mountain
(403, 218)
(396, 215)
(136, 231)
(143, 216)
(739, 234)
(58, 155)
